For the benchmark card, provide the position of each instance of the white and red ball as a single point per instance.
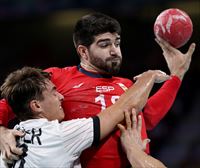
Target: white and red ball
(174, 26)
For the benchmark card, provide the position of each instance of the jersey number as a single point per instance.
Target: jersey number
(101, 99)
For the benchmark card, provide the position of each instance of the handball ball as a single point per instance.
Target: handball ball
(174, 26)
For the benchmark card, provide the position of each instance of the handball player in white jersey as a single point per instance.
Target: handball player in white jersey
(48, 142)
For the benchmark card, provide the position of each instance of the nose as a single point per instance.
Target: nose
(113, 50)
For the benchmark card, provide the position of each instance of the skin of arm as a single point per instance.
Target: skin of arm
(133, 145)
(135, 97)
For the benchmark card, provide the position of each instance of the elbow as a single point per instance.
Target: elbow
(151, 122)
(151, 126)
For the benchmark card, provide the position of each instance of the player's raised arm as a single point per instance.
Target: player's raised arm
(177, 62)
(135, 97)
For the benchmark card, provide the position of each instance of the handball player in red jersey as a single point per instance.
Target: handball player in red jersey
(93, 86)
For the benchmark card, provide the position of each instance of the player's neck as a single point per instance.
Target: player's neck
(91, 68)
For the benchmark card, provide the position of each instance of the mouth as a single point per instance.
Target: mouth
(115, 60)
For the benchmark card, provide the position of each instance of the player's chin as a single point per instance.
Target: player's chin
(61, 115)
(113, 67)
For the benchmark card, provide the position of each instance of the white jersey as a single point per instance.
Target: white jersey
(54, 144)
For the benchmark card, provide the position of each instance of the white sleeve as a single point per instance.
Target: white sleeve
(2, 162)
(79, 134)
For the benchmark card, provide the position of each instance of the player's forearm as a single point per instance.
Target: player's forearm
(135, 97)
(109, 118)
(139, 158)
(159, 104)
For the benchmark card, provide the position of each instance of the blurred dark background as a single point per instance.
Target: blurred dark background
(39, 33)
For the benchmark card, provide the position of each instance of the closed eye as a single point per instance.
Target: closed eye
(104, 43)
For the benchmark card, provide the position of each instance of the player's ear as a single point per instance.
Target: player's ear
(35, 106)
(83, 52)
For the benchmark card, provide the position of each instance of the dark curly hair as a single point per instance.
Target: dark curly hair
(92, 25)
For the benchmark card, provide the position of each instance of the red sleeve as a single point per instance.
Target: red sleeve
(6, 114)
(160, 103)
(54, 71)
(56, 74)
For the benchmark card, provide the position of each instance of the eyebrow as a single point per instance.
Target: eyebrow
(107, 39)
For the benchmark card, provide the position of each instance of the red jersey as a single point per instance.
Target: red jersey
(86, 94)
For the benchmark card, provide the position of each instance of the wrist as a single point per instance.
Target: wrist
(133, 150)
(180, 76)
(136, 156)
(179, 73)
